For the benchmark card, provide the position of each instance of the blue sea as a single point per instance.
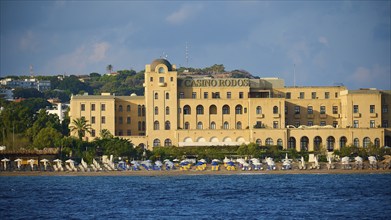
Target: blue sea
(326, 196)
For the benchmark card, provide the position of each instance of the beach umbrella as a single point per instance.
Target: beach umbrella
(5, 160)
(45, 162)
(18, 162)
(286, 156)
(158, 163)
(175, 160)
(216, 160)
(31, 162)
(202, 160)
(226, 160)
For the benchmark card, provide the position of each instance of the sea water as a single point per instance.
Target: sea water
(326, 196)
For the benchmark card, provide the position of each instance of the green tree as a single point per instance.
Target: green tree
(109, 68)
(27, 93)
(81, 126)
(44, 120)
(105, 134)
(47, 137)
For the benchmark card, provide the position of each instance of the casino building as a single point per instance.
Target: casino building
(192, 110)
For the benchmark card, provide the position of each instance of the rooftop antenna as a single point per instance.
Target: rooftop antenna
(294, 75)
(31, 71)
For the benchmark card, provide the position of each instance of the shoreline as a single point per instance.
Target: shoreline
(191, 172)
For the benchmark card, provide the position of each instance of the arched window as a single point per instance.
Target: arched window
(225, 110)
(139, 110)
(269, 142)
(226, 125)
(200, 110)
(187, 126)
(156, 142)
(275, 110)
(238, 110)
(330, 143)
(292, 143)
(366, 142)
(128, 108)
(120, 108)
(213, 110)
(356, 142)
(143, 110)
(238, 125)
(167, 110)
(258, 142)
(161, 70)
(304, 143)
(167, 142)
(143, 125)
(279, 142)
(156, 125)
(156, 110)
(377, 142)
(199, 125)
(317, 143)
(342, 142)
(258, 110)
(167, 95)
(213, 125)
(167, 125)
(186, 110)
(156, 95)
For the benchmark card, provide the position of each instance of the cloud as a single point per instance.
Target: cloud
(184, 13)
(323, 40)
(99, 51)
(28, 41)
(365, 76)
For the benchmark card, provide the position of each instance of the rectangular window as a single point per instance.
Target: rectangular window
(151, 79)
(83, 107)
(93, 133)
(161, 79)
(128, 120)
(322, 110)
(103, 107)
(326, 95)
(193, 95)
(93, 120)
(297, 124)
(215, 95)
(372, 108)
(240, 95)
(297, 110)
(385, 109)
(355, 124)
(288, 95)
(335, 109)
(205, 95)
(322, 123)
(336, 95)
(171, 79)
(310, 110)
(228, 95)
(120, 133)
(335, 124)
(301, 95)
(355, 108)
(181, 95)
(103, 120)
(372, 123)
(121, 121)
(275, 124)
(128, 132)
(310, 123)
(92, 107)
(385, 124)
(258, 124)
(313, 95)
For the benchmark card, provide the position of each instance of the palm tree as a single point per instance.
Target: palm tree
(81, 126)
(105, 134)
(109, 68)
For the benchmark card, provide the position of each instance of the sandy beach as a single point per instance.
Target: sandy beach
(193, 172)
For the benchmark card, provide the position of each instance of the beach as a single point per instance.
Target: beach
(178, 172)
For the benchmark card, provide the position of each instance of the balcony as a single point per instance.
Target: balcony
(260, 116)
(163, 84)
(356, 115)
(276, 115)
(373, 115)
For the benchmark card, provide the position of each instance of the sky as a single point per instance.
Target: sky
(307, 43)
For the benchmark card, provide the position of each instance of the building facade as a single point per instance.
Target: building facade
(189, 110)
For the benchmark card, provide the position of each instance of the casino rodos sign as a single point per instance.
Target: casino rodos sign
(215, 82)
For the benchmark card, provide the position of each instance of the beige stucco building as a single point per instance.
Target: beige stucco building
(191, 110)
